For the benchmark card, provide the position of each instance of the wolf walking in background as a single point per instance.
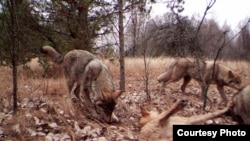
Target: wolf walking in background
(159, 127)
(212, 73)
(92, 77)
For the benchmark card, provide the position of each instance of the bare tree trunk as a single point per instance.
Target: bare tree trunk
(13, 49)
(134, 26)
(146, 72)
(121, 48)
(14, 73)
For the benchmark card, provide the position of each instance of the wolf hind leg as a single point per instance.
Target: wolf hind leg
(70, 84)
(174, 78)
(164, 76)
(171, 79)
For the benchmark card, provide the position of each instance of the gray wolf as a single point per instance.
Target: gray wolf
(213, 73)
(240, 112)
(91, 76)
(158, 127)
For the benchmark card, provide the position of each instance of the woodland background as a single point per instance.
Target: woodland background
(93, 25)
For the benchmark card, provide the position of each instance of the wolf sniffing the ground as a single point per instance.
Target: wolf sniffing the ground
(159, 127)
(213, 73)
(240, 112)
(92, 78)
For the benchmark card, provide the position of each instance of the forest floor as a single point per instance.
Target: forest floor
(45, 112)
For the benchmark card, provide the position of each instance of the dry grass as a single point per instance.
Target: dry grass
(134, 67)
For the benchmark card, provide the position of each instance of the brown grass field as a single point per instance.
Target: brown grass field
(43, 102)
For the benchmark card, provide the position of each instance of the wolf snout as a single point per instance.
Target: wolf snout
(107, 119)
(184, 101)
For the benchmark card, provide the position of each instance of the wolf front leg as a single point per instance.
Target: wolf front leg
(85, 92)
(222, 93)
(186, 80)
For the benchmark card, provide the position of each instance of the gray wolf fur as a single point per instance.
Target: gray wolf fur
(158, 127)
(91, 77)
(240, 112)
(212, 73)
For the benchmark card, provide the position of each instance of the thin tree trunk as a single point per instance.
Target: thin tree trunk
(13, 52)
(14, 73)
(121, 48)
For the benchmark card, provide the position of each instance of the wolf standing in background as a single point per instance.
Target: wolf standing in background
(91, 77)
(212, 73)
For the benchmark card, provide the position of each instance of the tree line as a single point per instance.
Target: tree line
(77, 24)
(167, 36)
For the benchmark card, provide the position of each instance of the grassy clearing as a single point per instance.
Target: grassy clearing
(34, 85)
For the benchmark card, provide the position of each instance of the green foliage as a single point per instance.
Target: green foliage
(76, 24)
(63, 24)
(27, 38)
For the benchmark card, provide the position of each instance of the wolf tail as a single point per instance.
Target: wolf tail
(165, 76)
(52, 54)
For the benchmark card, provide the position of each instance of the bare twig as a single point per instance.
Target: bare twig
(198, 56)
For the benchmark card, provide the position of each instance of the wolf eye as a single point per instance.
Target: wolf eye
(235, 81)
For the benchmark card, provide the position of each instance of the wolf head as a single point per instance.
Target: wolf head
(105, 107)
(233, 80)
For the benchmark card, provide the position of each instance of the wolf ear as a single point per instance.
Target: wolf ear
(106, 94)
(116, 94)
(144, 112)
(230, 73)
